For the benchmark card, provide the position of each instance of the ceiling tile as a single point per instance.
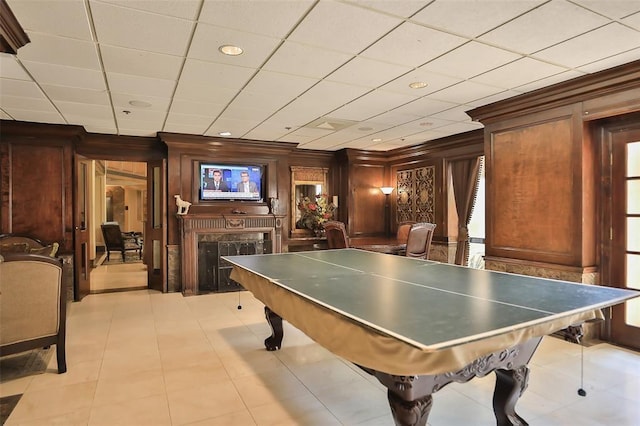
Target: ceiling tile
(342, 27)
(207, 39)
(367, 72)
(20, 88)
(45, 16)
(61, 51)
(275, 18)
(209, 82)
(237, 127)
(141, 63)
(187, 107)
(21, 102)
(189, 120)
(472, 17)
(74, 94)
(371, 104)
(11, 68)
(632, 21)
(187, 9)
(84, 120)
(466, 92)
(545, 26)
(279, 85)
(59, 75)
(517, 73)
(412, 45)
(470, 60)
(239, 112)
(403, 9)
(101, 112)
(123, 101)
(434, 82)
(190, 129)
(121, 26)
(603, 42)
(423, 107)
(613, 9)
(304, 60)
(611, 61)
(4, 115)
(36, 116)
(135, 85)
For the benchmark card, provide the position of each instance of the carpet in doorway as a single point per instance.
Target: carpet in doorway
(116, 258)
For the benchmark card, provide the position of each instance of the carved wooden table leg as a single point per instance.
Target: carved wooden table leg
(409, 413)
(273, 342)
(410, 396)
(510, 384)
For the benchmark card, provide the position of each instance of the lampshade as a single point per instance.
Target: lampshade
(386, 190)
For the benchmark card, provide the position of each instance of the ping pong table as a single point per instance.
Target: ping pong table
(418, 325)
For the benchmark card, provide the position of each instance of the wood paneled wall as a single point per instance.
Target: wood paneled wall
(36, 170)
(543, 165)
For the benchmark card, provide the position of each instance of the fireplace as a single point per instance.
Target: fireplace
(206, 238)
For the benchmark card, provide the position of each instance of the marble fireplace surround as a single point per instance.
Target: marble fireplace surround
(195, 228)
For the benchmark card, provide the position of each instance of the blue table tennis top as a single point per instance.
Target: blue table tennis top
(424, 303)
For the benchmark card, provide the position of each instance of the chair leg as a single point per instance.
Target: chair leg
(61, 358)
(124, 259)
(108, 254)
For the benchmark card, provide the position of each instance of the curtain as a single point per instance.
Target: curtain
(465, 185)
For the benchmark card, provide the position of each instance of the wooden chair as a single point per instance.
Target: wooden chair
(33, 305)
(116, 240)
(419, 240)
(402, 234)
(336, 234)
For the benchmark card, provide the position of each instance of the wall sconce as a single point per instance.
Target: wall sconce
(386, 190)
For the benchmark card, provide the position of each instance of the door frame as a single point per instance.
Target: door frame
(612, 230)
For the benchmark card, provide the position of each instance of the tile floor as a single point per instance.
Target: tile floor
(145, 358)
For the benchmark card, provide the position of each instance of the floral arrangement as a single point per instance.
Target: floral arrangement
(315, 212)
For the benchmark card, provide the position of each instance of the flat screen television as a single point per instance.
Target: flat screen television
(231, 182)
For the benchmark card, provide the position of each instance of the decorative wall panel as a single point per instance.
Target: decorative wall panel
(416, 195)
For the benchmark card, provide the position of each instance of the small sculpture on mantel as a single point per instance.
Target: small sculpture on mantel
(273, 205)
(183, 206)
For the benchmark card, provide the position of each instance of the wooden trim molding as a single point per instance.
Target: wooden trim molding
(12, 36)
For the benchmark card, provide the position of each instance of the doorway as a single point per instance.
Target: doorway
(621, 265)
(120, 198)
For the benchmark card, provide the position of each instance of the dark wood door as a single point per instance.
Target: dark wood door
(155, 239)
(82, 267)
(625, 232)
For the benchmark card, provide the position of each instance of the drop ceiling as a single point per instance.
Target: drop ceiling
(324, 74)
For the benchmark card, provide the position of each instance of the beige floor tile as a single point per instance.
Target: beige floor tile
(147, 411)
(136, 384)
(239, 418)
(269, 387)
(204, 402)
(303, 410)
(85, 371)
(44, 403)
(79, 417)
(355, 403)
(250, 363)
(324, 374)
(194, 376)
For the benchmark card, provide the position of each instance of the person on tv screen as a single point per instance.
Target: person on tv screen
(216, 184)
(245, 185)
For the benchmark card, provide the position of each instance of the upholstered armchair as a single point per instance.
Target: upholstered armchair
(32, 305)
(419, 240)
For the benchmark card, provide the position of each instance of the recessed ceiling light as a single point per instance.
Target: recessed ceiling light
(139, 104)
(418, 85)
(376, 140)
(225, 133)
(231, 50)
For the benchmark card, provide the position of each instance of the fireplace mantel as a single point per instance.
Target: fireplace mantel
(195, 227)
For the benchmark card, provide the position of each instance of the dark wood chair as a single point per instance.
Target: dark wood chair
(116, 240)
(419, 240)
(336, 234)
